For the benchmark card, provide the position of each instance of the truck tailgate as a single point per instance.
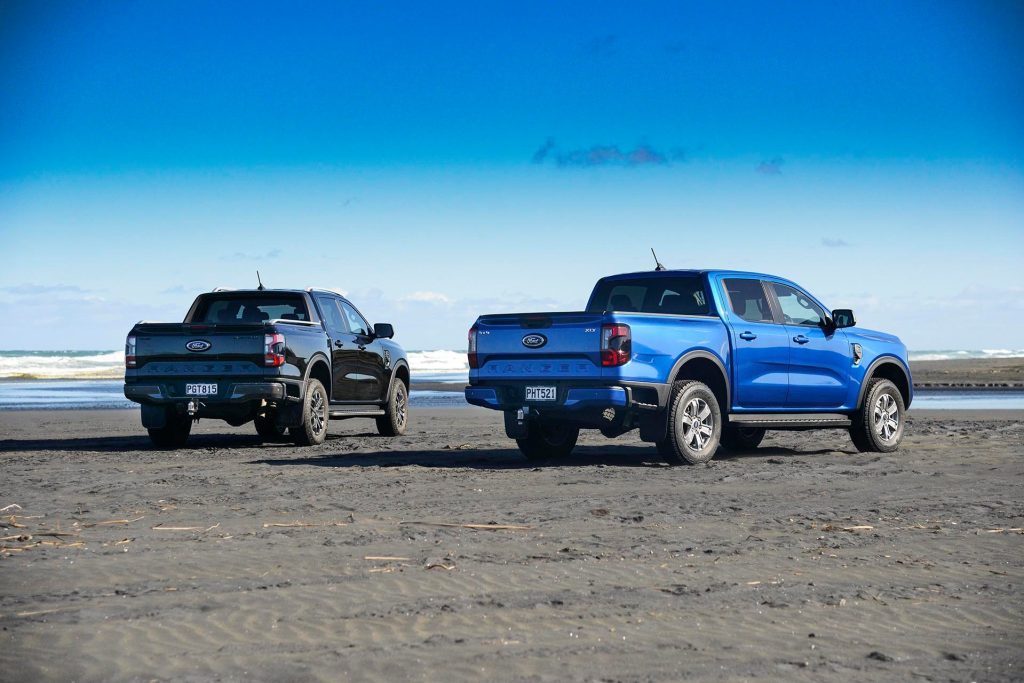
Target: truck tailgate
(167, 341)
(539, 345)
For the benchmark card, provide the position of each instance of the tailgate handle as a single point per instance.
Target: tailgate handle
(749, 336)
(535, 322)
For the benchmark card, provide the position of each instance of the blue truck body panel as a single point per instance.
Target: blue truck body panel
(773, 360)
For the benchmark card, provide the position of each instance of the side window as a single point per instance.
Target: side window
(797, 309)
(356, 323)
(332, 316)
(748, 300)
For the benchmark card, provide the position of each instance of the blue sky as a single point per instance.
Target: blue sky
(439, 161)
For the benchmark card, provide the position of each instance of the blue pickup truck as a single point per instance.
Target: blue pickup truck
(693, 359)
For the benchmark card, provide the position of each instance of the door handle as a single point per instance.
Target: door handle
(339, 343)
(749, 336)
(801, 339)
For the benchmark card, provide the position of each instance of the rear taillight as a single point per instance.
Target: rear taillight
(129, 352)
(616, 345)
(474, 362)
(273, 350)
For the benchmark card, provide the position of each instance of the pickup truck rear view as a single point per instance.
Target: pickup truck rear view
(287, 360)
(694, 360)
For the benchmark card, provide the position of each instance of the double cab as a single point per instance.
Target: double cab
(285, 359)
(694, 359)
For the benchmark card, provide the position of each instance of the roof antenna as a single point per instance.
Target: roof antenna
(261, 287)
(657, 263)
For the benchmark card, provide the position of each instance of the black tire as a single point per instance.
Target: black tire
(681, 445)
(396, 412)
(315, 416)
(548, 440)
(174, 434)
(738, 439)
(268, 429)
(878, 425)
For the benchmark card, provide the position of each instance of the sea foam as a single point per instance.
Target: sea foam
(440, 365)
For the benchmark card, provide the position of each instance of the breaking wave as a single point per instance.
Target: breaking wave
(439, 365)
(425, 365)
(966, 355)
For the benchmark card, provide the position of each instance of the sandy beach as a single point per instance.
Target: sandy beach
(234, 560)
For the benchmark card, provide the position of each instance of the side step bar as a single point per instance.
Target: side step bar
(345, 414)
(791, 420)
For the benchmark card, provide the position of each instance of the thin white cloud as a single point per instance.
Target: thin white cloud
(34, 290)
(245, 256)
(427, 297)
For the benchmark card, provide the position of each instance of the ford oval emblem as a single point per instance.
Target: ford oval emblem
(198, 345)
(534, 341)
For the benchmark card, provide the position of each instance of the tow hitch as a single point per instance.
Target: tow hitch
(193, 407)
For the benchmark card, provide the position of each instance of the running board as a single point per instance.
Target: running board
(791, 420)
(345, 414)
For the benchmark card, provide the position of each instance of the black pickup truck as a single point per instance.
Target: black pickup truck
(285, 359)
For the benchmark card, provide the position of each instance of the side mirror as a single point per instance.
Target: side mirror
(843, 317)
(383, 330)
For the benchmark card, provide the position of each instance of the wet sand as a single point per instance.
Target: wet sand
(233, 560)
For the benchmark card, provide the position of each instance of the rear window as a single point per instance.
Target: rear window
(669, 295)
(250, 308)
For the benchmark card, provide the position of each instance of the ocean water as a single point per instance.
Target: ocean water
(54, 380)
(962, 354)
(92, 379)
(425, 366)
(106, 393)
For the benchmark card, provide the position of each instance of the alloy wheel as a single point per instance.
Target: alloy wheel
(886, 417)
(400, 407)
(698, 423)
(317, 409)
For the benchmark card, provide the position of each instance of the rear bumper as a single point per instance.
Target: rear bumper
(162, 393)
(569, 398)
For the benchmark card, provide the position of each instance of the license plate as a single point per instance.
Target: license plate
(200, 389)
(541, 394)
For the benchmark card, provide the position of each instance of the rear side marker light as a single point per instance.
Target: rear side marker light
(616, 345)
(273, 350)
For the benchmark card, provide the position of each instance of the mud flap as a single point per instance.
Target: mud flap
(289, 415)
(517, 423)
(154, 417)
(653, 426)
